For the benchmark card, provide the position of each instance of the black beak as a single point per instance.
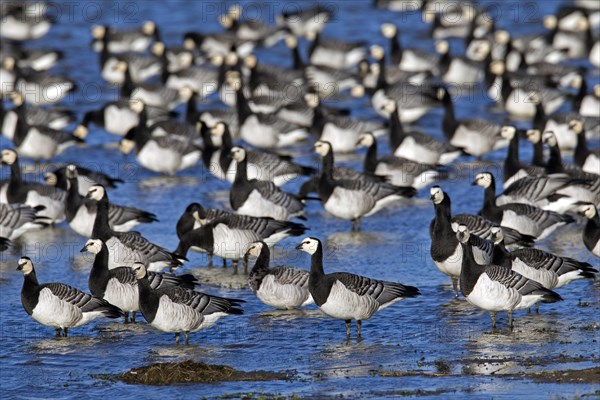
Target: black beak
(20, 268)
(474, 183)
(83, 249)
(299, 246)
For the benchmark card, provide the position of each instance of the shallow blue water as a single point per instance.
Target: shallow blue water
(415, 335)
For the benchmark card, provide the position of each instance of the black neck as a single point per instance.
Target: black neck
(298, 63)
(512, 164)
(395, 49)
(581, 149)
(539, 118)
(490, 210)
(101, 228)
(449, 122)
(241, 172)
(74, 199)
(581, 93)
(191, 113)
(30, 292)
(316, 262)
(554, 164)
(149, 299)
(140, 134)
(128, 85)
(397, 133)
(22, 124)
(201, 237)
(381, 79)
(99, 273)
(370, 163)
(243, 109)
(470, 270)
(501, 256)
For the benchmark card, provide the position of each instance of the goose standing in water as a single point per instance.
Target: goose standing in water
(58, 305)
(280, 287)
(260, 198)
(353, 199)
(175, 309)
(591, 232)
(494, 288)
(346, 296)
(118, 286)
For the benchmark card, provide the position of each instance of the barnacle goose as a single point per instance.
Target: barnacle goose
(495, 288)
(591, 232)
(163, 154)
(260, 198)
(55, 118)
(456, 70)
(141, 66)
(25, 22)
(39, 59)
(85, 178)
(18, 219)
(550, 270)
(175, 309)
(334, 53)
(587, 189)
(33, 194)
(250, 29)
(117, 117)
(540, 191)
(400, 171)
(40, 88)
(81, 212)
(353, 199)
(523, 218)
(127, 247)
(586, 159)
(263, 166)
(152, 94)
(203, 79)
(227, 235)
(302, 21)
(445, 250)
(590, 104)
(58, 305)
(263, 130)
(411, 97)
(124, 40)
(512, 169)
(340, 131)
(474, 136)
(415, 145)
(40, 141)
(118, 286)
(414, 60)
(346, 296)
(281, 286)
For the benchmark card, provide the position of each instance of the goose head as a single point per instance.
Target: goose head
(25, 265)
(81, 131)
(238, 153)
(96, 192)
(502, 37)
(534, 135)
(311, 100)
(549, 139)
(365, 139)
(587, 210)
(255, 249)
(9, 157)
(483, 179)
(497, 235)
(50, 178)
(71, 171)
(309, 245)
(497, 67)
(158, 49)
(17, 98)
(357, 91)
(508, 132)
(137, 106)
(442, 47)
(462, 234)
(322, 147)
(377, 52)
(291, 41)
(218, 130)
(139, 270)
(250, 61)
(576, 126)
(98, 32)
(436, 194)
(149, 28)
(93, 246)
(388, 30)
(389, 105)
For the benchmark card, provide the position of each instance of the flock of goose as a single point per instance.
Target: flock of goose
(490, 256)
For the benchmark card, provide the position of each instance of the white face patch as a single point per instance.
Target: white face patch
(462, 234)
(9, 157)
(25, 265)
(436, 194)
(589, 210)
(255, 249)
(497, 234)
(238, 154)
(549, 139)
(484, 179)
(322, 148)
(139, 269)
(533, 135)
(96, 192)
(94, 246)
(309, 245)
(508, 132)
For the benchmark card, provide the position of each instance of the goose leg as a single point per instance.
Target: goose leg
(245, 264)
(187, 337)
(65, 332)
(210, 260)
(235, 266)
(224, 263)
(126, 318)
(352, 229)
(455, 286)
(348, 327)
(358, 222)
(133, 314)
(510, 319)
(57, 332)
(176, 337)
(537, 308)
(529, 310)
(493, 316)
(358, 327)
